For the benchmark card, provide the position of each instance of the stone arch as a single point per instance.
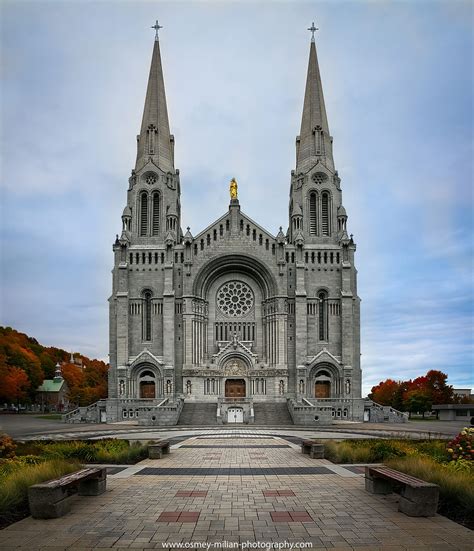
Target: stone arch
(146, 380)
(323, 380)
(247, 264)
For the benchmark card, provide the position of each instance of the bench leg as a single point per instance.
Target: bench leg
(155, 454)
(50, 510)
(378, 486)
(414, 509)
(304, 449)
(317, 452)
(93, 487)
(166, 450)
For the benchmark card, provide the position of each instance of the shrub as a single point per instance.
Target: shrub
(7, 446)
(109, 450)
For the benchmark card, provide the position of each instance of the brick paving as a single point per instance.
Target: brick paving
(330, 510)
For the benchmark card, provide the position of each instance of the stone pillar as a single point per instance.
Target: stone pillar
(234, 209)
(300, 321)
(168, 316)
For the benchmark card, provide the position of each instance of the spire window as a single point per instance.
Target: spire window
(156, 214)
(325, 219)
(312, 214)
(144, 214)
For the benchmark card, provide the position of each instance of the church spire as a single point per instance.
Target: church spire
(155, 141)
(314, 142)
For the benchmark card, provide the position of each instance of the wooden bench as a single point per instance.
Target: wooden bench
(314, 449)
(417, 497)
(51, 499)
(156, 451)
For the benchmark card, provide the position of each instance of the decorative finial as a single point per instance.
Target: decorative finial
(233, 188)
(313, 29)
(157, 27)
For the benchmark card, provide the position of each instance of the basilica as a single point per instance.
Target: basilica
(233, 322)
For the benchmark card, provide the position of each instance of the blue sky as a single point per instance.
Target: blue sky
(398, 83)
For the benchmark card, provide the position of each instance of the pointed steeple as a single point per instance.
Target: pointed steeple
(155, 140)
(314, 142)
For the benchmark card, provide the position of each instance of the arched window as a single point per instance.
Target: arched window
(155, 226)
(323, 316)
(146, 322)
(313, 222)
(325, 219)
(143, 214)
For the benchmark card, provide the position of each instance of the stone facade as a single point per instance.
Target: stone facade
(234, 312)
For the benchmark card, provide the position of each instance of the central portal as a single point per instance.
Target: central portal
(235, 388)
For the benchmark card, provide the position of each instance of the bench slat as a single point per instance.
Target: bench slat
(391, 474)
(65, 480)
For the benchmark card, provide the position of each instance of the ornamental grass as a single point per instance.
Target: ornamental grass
(16, 476)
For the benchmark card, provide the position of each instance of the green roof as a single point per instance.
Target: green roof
(51, 385)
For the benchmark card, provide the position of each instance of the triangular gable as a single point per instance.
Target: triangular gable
(322, 356)
(146, 356)
(242, 215)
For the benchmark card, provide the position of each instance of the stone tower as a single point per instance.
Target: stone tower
(234, 315)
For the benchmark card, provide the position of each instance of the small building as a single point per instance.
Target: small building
(455, 412)
(463, 393)
(52, 394)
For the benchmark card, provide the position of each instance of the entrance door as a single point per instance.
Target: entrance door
(322, 389)
(235, 415)
(147, 390)
(235, 388)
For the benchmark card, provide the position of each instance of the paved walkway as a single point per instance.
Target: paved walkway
(158, 503)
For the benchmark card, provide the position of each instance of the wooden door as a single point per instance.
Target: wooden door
(147, 390)
(322, 389)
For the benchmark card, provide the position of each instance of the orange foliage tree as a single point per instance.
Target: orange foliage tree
(18, 351)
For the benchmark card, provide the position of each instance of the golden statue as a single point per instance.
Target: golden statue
(233, 189)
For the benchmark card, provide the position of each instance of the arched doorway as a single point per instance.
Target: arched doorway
(147, 385)
(235, 388)
(322, 389)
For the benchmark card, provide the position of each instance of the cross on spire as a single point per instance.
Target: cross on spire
(157, 27)
(313, 29)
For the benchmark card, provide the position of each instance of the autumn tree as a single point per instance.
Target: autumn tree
(386, 392)
(14, 384)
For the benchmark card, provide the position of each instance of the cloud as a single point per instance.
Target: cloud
(398, 95)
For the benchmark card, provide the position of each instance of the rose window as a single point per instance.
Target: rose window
(235, 298)
(151, 179)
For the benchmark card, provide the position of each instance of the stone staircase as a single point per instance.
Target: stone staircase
(198, 413)
(266, 413)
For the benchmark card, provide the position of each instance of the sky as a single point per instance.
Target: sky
(398, 85)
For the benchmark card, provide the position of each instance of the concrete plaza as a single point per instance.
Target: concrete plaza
(235, 491)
